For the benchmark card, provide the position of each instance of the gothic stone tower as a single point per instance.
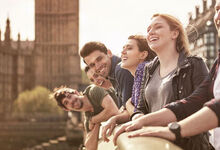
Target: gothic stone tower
(56, 43)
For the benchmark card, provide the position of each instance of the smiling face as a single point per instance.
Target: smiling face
(99, 62)
(131, 56)
(217, 16)
(98, 80)
(72, 101)
(159, 34)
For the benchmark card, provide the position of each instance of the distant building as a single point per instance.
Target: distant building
(51, 60)
(202, 33)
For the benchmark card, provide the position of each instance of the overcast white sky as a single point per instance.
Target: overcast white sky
(108, 21)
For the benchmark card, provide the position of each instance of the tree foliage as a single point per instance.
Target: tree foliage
(36, 101)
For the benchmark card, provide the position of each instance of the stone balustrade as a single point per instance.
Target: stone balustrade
(137, 143)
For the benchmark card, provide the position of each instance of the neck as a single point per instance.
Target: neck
(133, 69)
(168, 56)
(87, 106)
(168, 60)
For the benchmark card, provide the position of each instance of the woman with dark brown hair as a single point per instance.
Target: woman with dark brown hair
(136, 46)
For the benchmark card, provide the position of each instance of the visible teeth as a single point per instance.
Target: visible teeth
(152, 39)
(100, 84)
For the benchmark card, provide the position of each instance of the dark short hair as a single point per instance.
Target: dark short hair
(60, 93)
(143, 46)
(90, 47)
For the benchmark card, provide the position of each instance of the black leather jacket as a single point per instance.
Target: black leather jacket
(191, 71)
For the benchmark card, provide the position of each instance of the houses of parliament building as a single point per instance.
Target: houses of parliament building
(51, 60)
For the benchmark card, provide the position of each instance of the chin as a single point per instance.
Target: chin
(124, 66)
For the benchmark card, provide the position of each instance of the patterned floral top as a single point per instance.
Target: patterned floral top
(137, 84)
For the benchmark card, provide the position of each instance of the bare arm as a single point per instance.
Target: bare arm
(201, 121)
(91, 141)
(158, 118)
(112, 122)
(110, 109)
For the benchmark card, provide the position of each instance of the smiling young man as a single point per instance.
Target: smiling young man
(95, 103)
(102, 62)
(97, 79)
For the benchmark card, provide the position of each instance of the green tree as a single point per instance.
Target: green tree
(36, 101)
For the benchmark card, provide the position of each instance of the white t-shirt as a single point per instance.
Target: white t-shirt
(215, 136)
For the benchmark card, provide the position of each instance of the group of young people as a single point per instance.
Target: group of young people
(157, 88)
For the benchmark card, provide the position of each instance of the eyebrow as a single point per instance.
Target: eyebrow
(157, 23)
(125, 45)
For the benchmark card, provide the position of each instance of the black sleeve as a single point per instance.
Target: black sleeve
(185, 107)
(200, 71)
(214, 105)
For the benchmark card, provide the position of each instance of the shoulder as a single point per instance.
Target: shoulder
(121, 71)
(151, 65)
(95, 88)
(195, 58)
(198, 65)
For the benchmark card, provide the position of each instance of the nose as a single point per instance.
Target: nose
(123, 51)
(150, 32)
(97, 67)
(95, 76)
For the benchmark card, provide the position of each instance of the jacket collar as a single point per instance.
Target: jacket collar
(183, 62)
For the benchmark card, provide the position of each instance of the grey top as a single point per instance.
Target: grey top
(159, 91)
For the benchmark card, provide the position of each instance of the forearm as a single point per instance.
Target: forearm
(201, 121)
(91, 141)
(158, 118)
(104, 115)
(122, 117)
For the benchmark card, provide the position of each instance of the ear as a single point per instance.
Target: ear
(109, 53)
(143, 55)
(175, 34)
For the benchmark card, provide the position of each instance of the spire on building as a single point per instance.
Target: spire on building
(19, 41)
(204, 6)
(197, 11)
(7, 34)
(190, 16)
(213, 3)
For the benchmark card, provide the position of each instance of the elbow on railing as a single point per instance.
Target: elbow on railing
(138, 143)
